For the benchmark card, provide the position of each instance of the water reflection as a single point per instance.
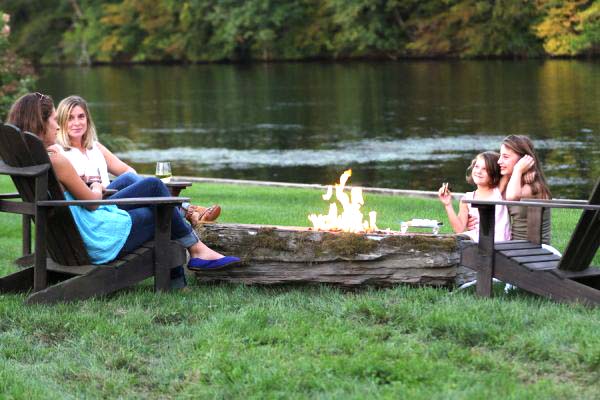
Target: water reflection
(404, 125)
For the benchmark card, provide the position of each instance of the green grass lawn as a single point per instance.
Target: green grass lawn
(232, 341)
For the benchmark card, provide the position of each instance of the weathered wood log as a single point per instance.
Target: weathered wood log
(277, 255)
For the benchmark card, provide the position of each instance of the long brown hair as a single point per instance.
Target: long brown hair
(30, 113)
(491, 165)
(522, 145)
(63, 111)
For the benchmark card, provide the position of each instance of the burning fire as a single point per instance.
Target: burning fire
(351, 218)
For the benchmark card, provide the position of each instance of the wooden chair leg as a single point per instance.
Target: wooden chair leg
(26, 224)
(162, 248)
(100, 281)
(40, 276)
(17, 282)
(485, 273)
(485, 277)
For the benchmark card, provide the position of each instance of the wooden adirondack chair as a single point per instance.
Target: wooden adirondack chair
(68, 273)
(526, 264)
(175, 187)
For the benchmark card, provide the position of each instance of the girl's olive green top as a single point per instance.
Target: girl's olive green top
(518, 223)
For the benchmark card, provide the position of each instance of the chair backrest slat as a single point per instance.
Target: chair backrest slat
(10, 140)
(64, 243)
(585, 240)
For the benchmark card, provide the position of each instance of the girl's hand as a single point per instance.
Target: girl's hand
(96, 187)
(472, 222)
(524, 164)
(445, 195)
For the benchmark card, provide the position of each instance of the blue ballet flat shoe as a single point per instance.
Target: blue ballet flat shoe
(198, 264)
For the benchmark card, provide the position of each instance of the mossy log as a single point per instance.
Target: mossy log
(277, 255)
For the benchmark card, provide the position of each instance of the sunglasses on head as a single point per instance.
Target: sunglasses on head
(40, 96)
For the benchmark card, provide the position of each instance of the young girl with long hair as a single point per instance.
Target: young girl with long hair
(518, 156)
(483, 172)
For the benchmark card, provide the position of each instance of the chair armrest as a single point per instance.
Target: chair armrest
(10, 196)
(33, 170)
(534, 203)
(137, 200)
(559, 201)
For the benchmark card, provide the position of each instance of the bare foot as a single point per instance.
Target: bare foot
(200, 250)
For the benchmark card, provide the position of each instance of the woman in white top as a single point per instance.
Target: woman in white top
(79, 143)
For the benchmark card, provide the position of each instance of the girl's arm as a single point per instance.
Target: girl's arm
(114, 164)
(72, 182)
(458, 222)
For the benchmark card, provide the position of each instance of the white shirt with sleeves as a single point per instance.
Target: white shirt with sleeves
(92, 158)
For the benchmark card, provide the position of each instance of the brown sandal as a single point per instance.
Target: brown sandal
(197, 214)
(210, 214)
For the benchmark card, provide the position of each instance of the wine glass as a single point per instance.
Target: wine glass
(163, 171)
(91, 175)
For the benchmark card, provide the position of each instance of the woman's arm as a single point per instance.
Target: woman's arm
(516, 189)
(114, 164)
(72, 182)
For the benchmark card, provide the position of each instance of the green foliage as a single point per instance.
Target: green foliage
(16, 75)
(472, 28)
(364, 28)
(38, 27)
(87, 31)
(589, 28)
(570, 27)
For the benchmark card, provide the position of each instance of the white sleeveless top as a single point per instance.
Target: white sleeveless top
(92, 158)
(502, 230)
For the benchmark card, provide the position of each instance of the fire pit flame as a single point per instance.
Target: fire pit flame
(351, 218)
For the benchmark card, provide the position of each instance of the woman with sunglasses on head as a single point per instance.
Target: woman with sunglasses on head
(108, 230)
(78, 140)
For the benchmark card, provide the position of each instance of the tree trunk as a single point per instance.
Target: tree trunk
(276, 255)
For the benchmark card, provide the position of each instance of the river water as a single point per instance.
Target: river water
(409, 125)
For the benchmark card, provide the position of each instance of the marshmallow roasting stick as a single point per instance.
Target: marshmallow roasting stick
(445, 186)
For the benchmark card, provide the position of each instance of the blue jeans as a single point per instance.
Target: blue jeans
(128, 179)
(122, 181)
(142, 217)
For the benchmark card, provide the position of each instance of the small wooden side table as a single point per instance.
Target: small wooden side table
(177, 186)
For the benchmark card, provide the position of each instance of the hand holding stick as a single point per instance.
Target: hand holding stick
(444, 194)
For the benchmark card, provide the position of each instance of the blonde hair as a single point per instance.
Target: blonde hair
(63, 111)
